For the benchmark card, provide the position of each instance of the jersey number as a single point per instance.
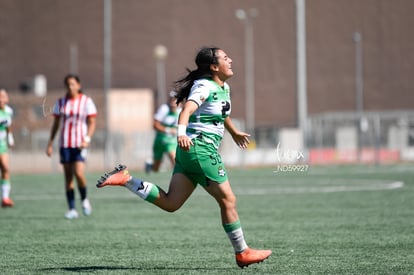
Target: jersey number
(215, 159)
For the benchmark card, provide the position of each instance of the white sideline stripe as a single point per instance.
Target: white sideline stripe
(246, 191)
(364, 170)
(325, 189)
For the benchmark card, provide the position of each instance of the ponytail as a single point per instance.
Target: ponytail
(183, 86)
(205, 57)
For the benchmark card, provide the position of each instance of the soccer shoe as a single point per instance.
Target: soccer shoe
(251, 256)
(71, 214)
(86, 207)
(148, 167)
(6, 202)
(118, 176)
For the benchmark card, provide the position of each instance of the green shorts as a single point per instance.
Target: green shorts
(200, 164)
(162, 146)
(4, 148)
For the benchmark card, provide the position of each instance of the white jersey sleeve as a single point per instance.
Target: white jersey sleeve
(162, 112)
(90, 107)
(199, 92)
(9, 111)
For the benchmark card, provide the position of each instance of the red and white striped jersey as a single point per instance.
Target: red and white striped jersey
(73, 113)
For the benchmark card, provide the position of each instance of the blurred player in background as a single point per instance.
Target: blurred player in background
(6, 141)
(201, 126)
(165, 125)
(77, 114)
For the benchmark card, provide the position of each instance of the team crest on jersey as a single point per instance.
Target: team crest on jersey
(4, 122)
(221, 172)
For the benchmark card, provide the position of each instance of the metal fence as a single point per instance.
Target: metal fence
(392, 129)
(373, 133)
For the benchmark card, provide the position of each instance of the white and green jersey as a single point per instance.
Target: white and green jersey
(6, 115)
(167, 118)
(214, 106)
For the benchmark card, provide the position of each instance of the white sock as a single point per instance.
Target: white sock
(237, 240)
(140, 188)
(5, 188)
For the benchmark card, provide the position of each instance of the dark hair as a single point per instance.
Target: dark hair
(69, 76)
(205, 57)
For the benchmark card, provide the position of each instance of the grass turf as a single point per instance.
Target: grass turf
(333, 220)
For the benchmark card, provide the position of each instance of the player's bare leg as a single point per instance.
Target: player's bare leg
(156, 165)
(230, 219)
(68, 169)
(180, 188)
(79, 171)
(5, 181)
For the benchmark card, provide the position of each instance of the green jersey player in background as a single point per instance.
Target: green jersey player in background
(201, 126)
(6, 140)
(165, 126)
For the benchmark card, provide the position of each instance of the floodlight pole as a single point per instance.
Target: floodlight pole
(247, 17)
(359, 89)
(107, 78)
(302, 109)
(359, 81)
(160, 54)
(73, 58)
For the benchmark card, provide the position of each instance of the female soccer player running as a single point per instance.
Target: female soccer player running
(201, 126)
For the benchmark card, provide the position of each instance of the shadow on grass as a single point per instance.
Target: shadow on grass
(114, 268)
(87, 268)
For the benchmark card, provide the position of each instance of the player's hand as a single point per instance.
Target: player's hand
(84, 145)
(241, 139)
(184, 142)
(49, 150)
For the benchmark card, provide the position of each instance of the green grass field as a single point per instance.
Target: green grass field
(328, 220)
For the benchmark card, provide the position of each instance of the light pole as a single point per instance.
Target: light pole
(73, 58)
(359, 91)
(359, 81)
(107, 78)
(301, 80)
(160, 54)
(247, 18)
